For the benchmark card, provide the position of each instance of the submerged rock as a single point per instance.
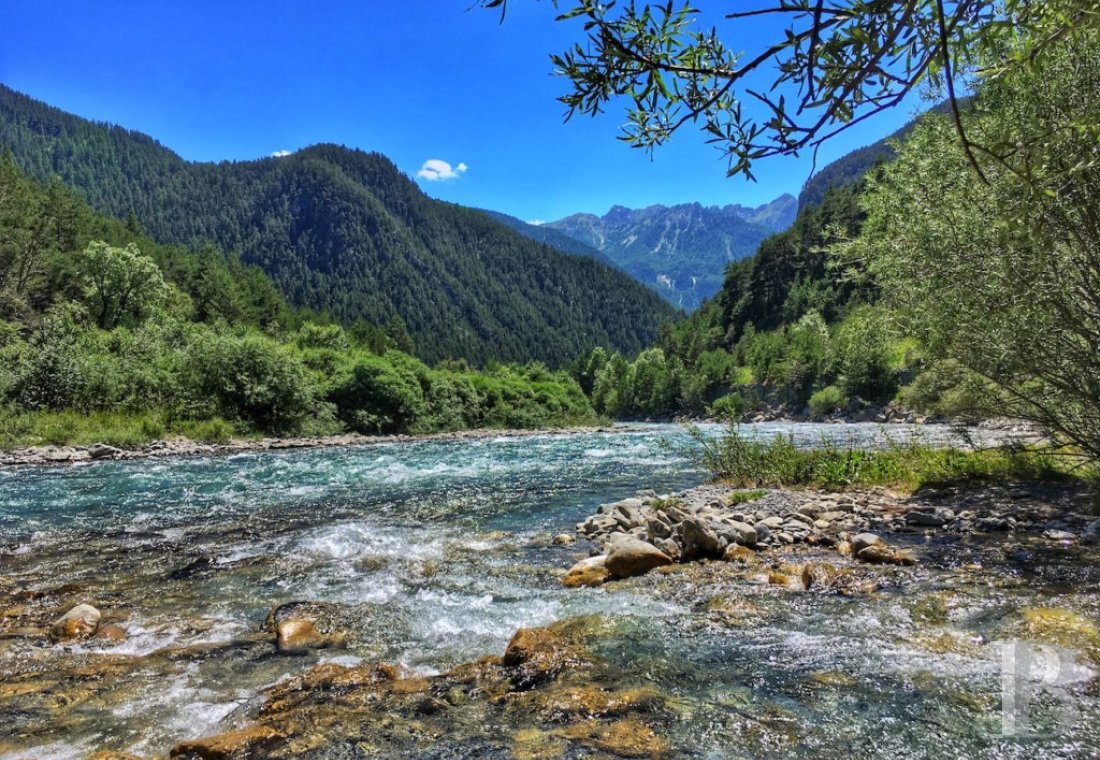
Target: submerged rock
(111, 633)
(628, 557)
(298, 636)
(247, 742)
(78, 623)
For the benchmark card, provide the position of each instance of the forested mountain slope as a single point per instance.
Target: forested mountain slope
(345, 232)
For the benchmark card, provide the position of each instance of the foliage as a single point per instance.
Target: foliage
(119, 342)
(749, 462)
(341, 232)
(826, 401)
(1002, 275)
(122, 286)
(834, 63)
(744, 497)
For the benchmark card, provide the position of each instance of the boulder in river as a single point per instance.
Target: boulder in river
(699, 539)
(588, 572)
(78, 623)
(298, 636)
(628, 557)
(863, 540)
(247, 742)
(302, 626)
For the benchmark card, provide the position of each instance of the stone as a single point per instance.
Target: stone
(253, 741)
(111, 633)
(863, 540)
(656, 528)
(992, 524)
(744, 533)
(78, 623)
(622, 738)
(924, 519)
(297, 636)
(740, 554)
(564, 540)
(884, 555)
(630, 557)
(699, 539)
(591, 571)
(111, 754)
(103, 451)
(1059, 535)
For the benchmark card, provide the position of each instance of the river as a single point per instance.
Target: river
(437, 551)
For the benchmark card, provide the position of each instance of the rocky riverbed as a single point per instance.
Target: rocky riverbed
(713, 522)
(408, 601)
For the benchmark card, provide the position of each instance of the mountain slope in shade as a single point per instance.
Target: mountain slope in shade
(853, 165)
(346, 232)
(680, 251)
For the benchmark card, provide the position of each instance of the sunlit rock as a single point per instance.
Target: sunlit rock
(591, 571)
(630, 556)
(78, 623)
(247, 742)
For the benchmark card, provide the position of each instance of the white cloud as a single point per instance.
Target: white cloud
(434, 169)
(536, 222)
(280, 154)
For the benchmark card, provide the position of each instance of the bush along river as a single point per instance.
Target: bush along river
(407, 600)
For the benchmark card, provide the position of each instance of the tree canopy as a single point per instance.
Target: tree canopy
(833, 63)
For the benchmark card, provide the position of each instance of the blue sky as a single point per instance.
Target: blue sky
(416, 80)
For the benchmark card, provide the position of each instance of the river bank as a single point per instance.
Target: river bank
(185, 447)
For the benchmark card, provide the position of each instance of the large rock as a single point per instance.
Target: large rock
(737, 532)
(863, 540)
(254, 741)
(699, 539)
(588, 572)
(925, 519)
(298, 636)
(880, 554)
(628, 557)
(302, 626)
(78, 623)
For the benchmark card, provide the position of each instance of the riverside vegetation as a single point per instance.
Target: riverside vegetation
(106, 336)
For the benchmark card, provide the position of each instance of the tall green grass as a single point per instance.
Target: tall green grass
(750, 462)
(122, 429)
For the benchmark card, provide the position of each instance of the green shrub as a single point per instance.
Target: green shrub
(745, 462)
(826, 401)
(729, 408)
(251, 378)
(214, 431)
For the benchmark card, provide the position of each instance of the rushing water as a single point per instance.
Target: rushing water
(440, 550)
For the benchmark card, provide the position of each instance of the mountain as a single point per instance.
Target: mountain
(557, 240)
(345, 232)
(679, 251)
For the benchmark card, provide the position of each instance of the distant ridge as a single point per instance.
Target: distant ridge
(680, 251)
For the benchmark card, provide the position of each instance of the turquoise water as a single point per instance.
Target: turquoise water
(437, 551)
